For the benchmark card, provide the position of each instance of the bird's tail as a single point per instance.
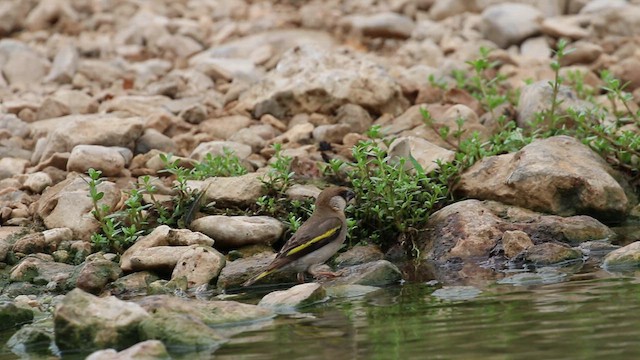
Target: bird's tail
(257, 277)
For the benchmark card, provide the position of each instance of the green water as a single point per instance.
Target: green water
(584, 316)
(589, 316)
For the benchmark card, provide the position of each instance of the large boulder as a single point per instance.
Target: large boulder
(309, 79)
(83, 322)
(558, 175)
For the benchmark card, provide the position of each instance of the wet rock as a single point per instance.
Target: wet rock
(12, 315)
(359, 254)
(295, 297)
(515, 242)
(457, 293)
(308, 79)
(150, 349)
(67, 204)
(39, 271)
(551, 253)
(233, 191)
(470, 233)
(237, 231)
(211, 313)
(165, 237)
(350, 291)
(199, 265)
(30, 340)
(110, 160)
(624, 257)
(218, 148)
(545, 275)
(509, 23)
(180, 331)
(30, 244)
(578, 182)
(377, 273)
(384, 25)
(83, 321)
(96, 273)
(132, 284)
(423, 152)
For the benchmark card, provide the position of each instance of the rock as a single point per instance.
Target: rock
(627, 71)
(11, 315)
(31, 244)
(614, 20)
(34, 269)
(376, 273)
(212, 313)
(153, 139)
(47, 13)
(514, 242)
(109, 160)
(537, 48)
(218, 148)
(65, 64)
(307, 79)
(551, 253)
(66, 132)
(146, 350)
(37, 182)
(296, 297)
(544, 275)
(536, 98)
(442, 9)
(355, 116)
(624, 257)
(457, 293)
(235, 273)
(255, 136)
(67, 204)
(237, 231)
(383, 24)
(14, 125)
(12, 15)
(423, 152)
(132, 284)
(165, 237)
(25, 68)
(509, 23)
(94, 275)
(359, 254)
(228, 69)
(224, 127)
(470, 233)
(83, 322)
(30, 340)
(578, 182)
(563, 27)
(331, 134)
(180, 331)
(350, 291)
(240, 191)
(199, 265)
(583, 52)
(302, 192)
(158, 258)
(12, 166)
(65, 102)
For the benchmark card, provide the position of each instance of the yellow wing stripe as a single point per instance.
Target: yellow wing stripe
(262, 274)
(313, 241)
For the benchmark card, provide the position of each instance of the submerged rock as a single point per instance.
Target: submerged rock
(150, 349)
(624, 257)
(295, 297)
(180, 331)
(11, 315)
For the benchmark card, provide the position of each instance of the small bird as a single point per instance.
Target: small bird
(317, 240)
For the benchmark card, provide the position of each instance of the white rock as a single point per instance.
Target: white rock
(509, 23)
(12, 166)
(199, 265)
(37, 182)
(109, 160)
(237, 231)
(297, 296)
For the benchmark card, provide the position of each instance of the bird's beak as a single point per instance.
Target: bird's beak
(350, 195)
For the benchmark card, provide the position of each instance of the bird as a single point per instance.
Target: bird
(317, 240)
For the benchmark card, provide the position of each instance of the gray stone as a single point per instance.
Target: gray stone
(94, 275)
(355, 116)
(423, 152)
(25, 68)
(236, 231)
(376, 273)
(65, 64)
(34, 269)
(83, 322)
(624, 257)
(331, 134)
(109, 160)
(383, 24)
(509, 23)
(146, 350)
(233, 191)
(200, 265)
(359, 254)
(217, 148)
(12, 315)
(551, 253)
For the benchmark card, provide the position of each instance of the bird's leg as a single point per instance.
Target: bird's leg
(323, 271)
(300, 277)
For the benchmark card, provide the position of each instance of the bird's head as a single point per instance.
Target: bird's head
(336, 198)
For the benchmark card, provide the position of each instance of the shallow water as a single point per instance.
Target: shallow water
(584, 316)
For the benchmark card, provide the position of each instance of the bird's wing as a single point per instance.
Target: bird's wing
(308, 239)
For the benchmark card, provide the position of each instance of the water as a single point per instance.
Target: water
(584, 316)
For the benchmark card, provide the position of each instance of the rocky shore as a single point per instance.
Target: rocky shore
(118, 85)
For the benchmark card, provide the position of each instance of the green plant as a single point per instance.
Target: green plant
(486, 89)
(279, 177)
(211, 166)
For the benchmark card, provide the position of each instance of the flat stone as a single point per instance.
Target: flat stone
(510, 23)
(237, 231)
(295, 297)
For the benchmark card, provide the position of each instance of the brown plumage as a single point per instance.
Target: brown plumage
(317, 240)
